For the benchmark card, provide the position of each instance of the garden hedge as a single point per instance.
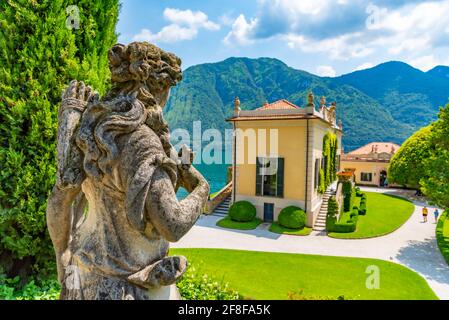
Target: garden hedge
(292, 217)
(349, 196)
(343, 227)
(242, 211)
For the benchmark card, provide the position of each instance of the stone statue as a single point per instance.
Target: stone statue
(113, 209)
(237, 106)
(333, 113)
(310, 99)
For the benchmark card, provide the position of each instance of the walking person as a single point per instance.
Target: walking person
(436, 213)
(425, 212)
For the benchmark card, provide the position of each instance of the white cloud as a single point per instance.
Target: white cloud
(295, 7)
(184, 25)
(241, 32)
(339, 48)
(169, 34)
(226, 20)
(341, 30)
(197, 19)
(325, 71)
(425, 63)
(364, 66)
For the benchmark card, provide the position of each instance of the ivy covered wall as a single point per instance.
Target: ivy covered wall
(329, 173)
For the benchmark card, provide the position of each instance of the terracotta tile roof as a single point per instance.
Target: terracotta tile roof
(376, 147)
(273, 117)
(278, 105)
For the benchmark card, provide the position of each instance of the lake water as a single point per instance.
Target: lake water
(215, 174)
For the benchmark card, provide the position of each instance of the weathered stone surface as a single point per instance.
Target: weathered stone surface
(113, 210)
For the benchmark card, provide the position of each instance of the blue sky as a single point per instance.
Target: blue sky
(323, 37)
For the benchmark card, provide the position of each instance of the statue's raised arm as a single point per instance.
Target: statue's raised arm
(66, 202)
(116, 153)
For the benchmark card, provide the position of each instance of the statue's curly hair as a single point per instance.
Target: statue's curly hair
(140, 72)
(144, 69)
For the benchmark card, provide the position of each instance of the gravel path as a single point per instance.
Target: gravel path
(413, 245)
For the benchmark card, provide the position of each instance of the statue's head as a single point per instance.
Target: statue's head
(144, 69)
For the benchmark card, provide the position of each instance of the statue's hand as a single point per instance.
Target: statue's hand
(191, 178)
(164, 272)
(78, 95)
(186, 156)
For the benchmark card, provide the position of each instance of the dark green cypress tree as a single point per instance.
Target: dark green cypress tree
(39, 55)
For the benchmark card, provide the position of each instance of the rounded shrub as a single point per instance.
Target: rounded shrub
(242, 211)
(292, 217)
(362, 210)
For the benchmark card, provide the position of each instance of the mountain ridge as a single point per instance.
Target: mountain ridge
(208, 90)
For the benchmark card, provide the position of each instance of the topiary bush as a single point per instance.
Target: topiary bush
(354, 217)
(341, 227)
(362, 210)
(344, 227)
(332, 208)
(292, 217)
(349, 196)
(242, 211)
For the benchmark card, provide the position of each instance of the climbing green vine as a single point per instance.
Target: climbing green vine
(330, 146)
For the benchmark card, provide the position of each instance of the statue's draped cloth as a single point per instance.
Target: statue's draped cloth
(116, 238)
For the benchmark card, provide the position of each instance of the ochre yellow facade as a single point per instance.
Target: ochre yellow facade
(373, 167)
(292, 146)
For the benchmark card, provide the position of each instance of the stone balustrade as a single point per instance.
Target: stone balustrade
(213, 203)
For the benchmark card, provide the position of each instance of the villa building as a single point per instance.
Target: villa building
(278, 155)
(370, 162)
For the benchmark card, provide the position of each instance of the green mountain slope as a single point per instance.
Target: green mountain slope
(207, 93)
(411, 96)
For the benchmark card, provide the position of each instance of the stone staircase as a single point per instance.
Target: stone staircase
(320, 222)
(223, 208)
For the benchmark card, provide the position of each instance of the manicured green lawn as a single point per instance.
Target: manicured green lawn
(442, 232)
(277, 228)
(385, 214)
(268, 275)
(230, 224)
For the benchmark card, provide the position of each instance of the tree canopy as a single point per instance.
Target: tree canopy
(43, 45)
(436, 183)
(406, 165)
(423, 161)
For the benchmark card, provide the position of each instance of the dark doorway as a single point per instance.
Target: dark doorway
(268, 212)
(383, 179)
